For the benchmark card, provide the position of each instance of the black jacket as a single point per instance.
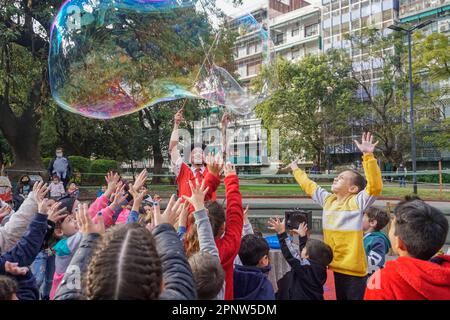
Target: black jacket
(178, 279)
(306, 279)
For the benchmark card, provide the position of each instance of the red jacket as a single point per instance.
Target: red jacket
(230, 243)
(187, 175)
(408, 278)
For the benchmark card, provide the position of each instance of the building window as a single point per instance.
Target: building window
(336, 30)
(387, 15)
(326, 32)
(279, 39)
(335, 5)
(295, 31)
(344, 3)
(311, 30)
(356, 24)
(295, 53)
(253, 68)
(364, 22)
(345, 27)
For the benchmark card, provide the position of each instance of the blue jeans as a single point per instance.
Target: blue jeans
(402, 182)
(43, 269)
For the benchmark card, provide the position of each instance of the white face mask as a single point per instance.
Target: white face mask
(59, 154)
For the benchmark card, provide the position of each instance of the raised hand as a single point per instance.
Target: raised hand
(40, 189)
(112, 179)
(246, 221)
(119, 196)
(197, 198)
(170, 215)
(226, 119)
(14, 269)
(214, 163)
(86, 223)
(55, 213)
(302, 230)
(184, 213)
(366, 145)
(178, 118)
(229, 169)
(137, 199)
(277, 225)
(139, 183)
(5, 211)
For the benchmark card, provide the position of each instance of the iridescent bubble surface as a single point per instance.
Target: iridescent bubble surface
(109, 58)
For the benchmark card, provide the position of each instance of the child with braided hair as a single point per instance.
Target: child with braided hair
(129, 261)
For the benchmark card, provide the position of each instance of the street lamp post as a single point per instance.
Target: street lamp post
(408, 33)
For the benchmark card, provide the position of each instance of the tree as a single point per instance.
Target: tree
(314, 100)
(384, 98)
(23, 76)
(432, 71)
(24, 88)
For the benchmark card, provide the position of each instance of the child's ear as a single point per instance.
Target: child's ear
(353, 189)
(58, 233)
(403, 251)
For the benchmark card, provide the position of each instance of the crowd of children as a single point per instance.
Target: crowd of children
(122, 246)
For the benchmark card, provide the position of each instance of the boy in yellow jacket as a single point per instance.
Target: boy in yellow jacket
(342, 218)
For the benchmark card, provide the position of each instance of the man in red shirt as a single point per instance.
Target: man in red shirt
(197, 171)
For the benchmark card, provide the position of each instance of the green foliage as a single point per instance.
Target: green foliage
(80, 164)
(314, 99)
(103, 166)
(46, 161)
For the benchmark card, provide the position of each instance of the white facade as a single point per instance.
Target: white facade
(297, 33)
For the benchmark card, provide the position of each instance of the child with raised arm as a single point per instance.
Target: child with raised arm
(308, 272)
(342, 218)
(208, 273)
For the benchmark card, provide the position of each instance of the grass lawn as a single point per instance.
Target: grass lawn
(289, 190)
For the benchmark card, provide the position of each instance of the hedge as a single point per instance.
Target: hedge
(80, 164)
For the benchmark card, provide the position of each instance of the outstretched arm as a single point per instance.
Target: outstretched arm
(175, 157)
(317, 193)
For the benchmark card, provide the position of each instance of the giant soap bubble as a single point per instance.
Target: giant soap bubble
(110, 58)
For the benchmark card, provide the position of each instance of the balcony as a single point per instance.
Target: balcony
(418, 7)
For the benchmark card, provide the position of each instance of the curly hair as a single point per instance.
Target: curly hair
(8, 287)
(125, 266)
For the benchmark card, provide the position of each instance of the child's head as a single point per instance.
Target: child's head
(317, 251)
(375, 219)
(418, 230)
(25, 179)
(67, 227)
(348, 182)
(216, 217)
(209, 275)
(72, 187)
(55, 179)
(125, 266)
(254, 251)
(8, 288)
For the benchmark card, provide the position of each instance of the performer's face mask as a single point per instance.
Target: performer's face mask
(197, 156)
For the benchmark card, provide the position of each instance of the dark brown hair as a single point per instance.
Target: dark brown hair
(380, 216)
(358, 180)
(125, 266)
(216, 215)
